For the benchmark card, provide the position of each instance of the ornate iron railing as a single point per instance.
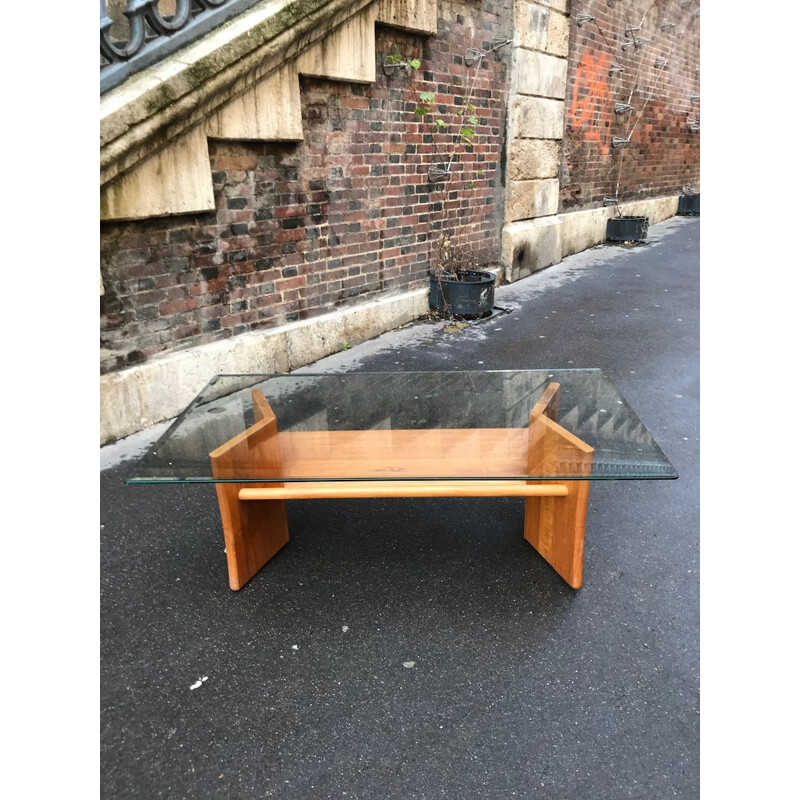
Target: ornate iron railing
(153, 33)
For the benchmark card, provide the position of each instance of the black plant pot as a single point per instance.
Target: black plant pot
(689, 205)
(470, 296)
(627, 229)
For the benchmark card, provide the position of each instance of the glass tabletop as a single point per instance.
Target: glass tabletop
(466, 425)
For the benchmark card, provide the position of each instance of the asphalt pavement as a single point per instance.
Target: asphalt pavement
(420, 648)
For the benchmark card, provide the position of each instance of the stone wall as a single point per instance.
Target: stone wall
(319, 243)
(531, 235)
(346, 216)
(664, 152)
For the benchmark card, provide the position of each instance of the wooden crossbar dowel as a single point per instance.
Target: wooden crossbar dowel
(365, 489)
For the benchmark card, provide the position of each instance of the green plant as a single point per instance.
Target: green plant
(394, 60)
(448, 260)
(465, 131)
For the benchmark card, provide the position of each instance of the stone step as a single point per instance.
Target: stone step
(177, 178)
(269, 111)
(346, 54)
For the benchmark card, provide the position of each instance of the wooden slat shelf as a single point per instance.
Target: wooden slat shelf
(364, 489)
(453, 452)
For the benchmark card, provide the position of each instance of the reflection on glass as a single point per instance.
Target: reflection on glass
(412, 425)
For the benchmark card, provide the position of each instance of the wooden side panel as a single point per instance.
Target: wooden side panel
(555, 526)
(547, 404)
(254, 530)
(263, 410)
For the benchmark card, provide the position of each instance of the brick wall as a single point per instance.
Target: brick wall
(664, 154)
(303, 229)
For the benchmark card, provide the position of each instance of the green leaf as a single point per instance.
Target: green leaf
(440, 124)
(470, 107)
(427, 97)
(414, 63)
(467, 132)
(472, 120)
(421, 111)
(393, 59)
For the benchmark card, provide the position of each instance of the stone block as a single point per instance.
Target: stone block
(539, 27)
(583, 229)
(412, 15)
(656, 209)
(533, 158)
(144, 191)
(530, 246)
(346, 54)
(557, 35)
(562, 6)
(531, 24)
(536, 118)
(268, 111)
(540, 74)
(315, 339)
(529, 199)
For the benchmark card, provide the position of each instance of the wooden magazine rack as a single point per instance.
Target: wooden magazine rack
(254, 514)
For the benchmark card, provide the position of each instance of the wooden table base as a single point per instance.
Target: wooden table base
(254, 514)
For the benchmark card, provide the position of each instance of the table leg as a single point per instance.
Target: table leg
(255, 530)
(555, 527)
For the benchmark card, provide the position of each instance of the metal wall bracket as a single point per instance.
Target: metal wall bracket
(438, 173)
(637, 43)
(618, 141)
(621, 108)
(610, 200)
(472, 55)
(695, 98)
(661, 62)
(631, 29)
(616, 68)
(665, 26)
(391, 66)
(694, 124)
(582, 19)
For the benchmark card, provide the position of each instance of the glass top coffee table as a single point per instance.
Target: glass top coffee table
(539, 434)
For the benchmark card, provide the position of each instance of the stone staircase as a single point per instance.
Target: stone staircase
(240, 82)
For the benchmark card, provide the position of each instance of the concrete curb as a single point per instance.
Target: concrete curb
(135, 398)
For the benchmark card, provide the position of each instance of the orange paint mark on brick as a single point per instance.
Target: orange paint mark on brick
(592, 100)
